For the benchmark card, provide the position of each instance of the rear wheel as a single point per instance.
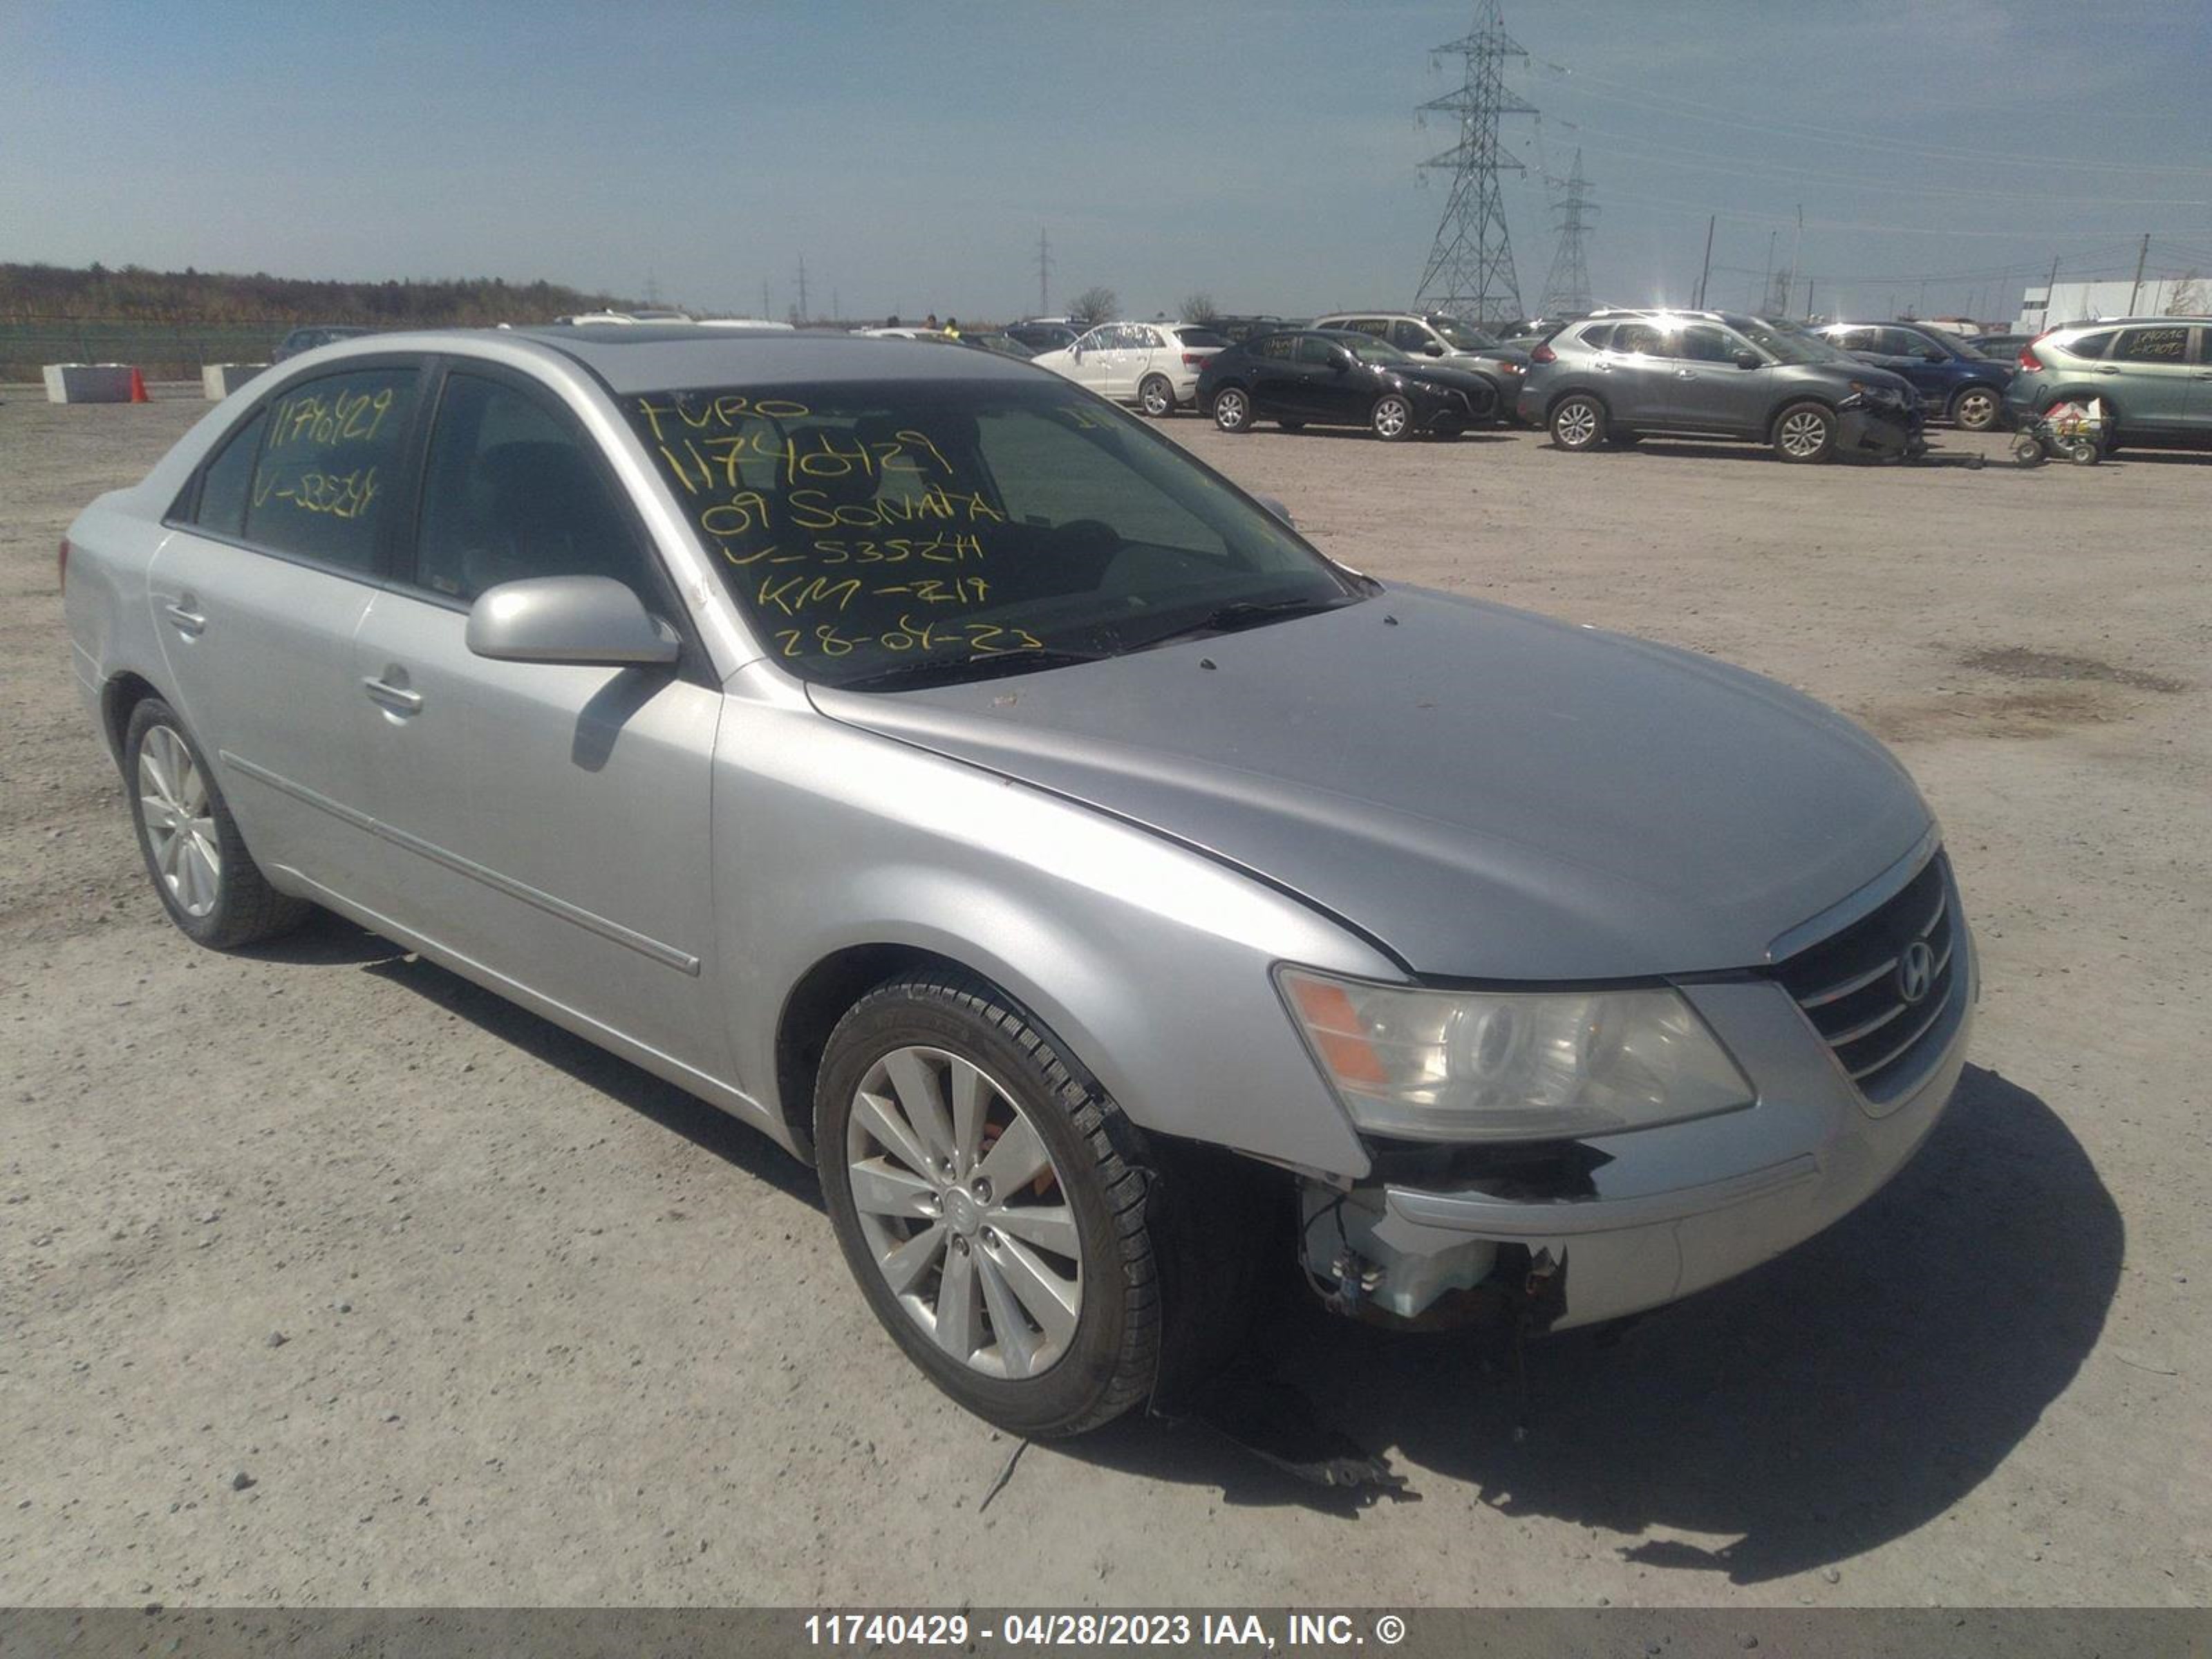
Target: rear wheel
(1976, 408)
(1157, 397)
(1805, 433)
(991, 1204)
(1232, 409)
(1578, 421)
(205, 878)
(1392, 417)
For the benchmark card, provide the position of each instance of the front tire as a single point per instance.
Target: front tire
(1976, 408)
(1805, 434)
(991, 1203)
(1156, 396)
(1392, 418)
(1578, 421)
(1232, 409)
(203, 874)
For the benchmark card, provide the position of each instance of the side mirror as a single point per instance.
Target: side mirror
(1278, 509)
(1341, 362)
(1432, 350)
(1747, 360)
(591, 621)
(1929, 354)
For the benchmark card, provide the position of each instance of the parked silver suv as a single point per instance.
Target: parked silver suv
(916, 757)
(2152, 375)
(1621, 375)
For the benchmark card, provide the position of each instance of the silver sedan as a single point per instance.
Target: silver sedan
(914, 755)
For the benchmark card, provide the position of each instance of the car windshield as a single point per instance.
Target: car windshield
(1462, 336)
(914, 530)
(1369, 349)
(1790, 344)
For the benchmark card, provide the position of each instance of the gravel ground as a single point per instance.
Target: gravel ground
(325, 1277)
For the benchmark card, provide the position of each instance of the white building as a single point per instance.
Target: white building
(2155, 296)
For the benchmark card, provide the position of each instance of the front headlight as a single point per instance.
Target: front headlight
(1470, 1065)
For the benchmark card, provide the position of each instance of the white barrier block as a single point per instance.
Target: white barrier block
(88, 383)
(219, 381)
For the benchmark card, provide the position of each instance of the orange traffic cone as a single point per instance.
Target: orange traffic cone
(138, 386)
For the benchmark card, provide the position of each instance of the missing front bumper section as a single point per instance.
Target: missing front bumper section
(1373, 1265)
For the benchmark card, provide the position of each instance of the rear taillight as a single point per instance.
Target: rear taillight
(2027, 357)
(1195, 359)
(61, 565)
(1543, 353)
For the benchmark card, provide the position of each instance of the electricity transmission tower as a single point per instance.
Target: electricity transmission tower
(1567, 288)
(1470, 268)
(1045, 262)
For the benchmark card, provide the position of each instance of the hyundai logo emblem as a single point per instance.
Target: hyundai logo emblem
(1916, 971)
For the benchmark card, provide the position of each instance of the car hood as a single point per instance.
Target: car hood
(1463, 380)
(1488, 794)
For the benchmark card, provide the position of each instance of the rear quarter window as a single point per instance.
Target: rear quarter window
(327, 474)
(2092, 346)
(226, 484)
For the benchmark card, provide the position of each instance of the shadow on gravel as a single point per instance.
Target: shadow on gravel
(1833, 1400)
(327, 940)
(705, 1126)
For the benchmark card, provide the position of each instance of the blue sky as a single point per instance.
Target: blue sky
(1263, 151)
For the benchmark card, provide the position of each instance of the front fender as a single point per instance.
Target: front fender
(1149, 961)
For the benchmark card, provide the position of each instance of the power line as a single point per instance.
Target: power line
(1686, 109)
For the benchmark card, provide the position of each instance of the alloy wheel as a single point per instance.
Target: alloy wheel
(1804, 433)
(1391, 417)
(1575, 425)
(1159, 400)
(1977, 410)
(963, 1213)
(173, 800)
(1230, 411)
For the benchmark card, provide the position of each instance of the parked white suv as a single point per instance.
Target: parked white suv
(1153, 365)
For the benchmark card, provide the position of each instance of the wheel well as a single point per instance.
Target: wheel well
(812, 1009)
(1783, 408)
(122, 694)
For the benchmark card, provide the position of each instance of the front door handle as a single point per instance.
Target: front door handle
(397, 698)
(189, 622)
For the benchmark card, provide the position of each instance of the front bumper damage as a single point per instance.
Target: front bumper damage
(1582, 1232)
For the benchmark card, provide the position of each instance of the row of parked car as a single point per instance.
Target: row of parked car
(1616, 375)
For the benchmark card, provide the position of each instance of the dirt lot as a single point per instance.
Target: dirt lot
(481, 1316)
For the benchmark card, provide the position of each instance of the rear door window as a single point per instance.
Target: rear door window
(327, 473)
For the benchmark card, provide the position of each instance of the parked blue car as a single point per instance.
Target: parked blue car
(1955, 382)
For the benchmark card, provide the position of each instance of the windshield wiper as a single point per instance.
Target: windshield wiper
(1246, 613)
(952, 670)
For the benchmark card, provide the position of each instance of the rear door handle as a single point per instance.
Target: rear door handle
(188, 621)
(397, 698)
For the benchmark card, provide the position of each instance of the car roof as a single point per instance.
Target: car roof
(2127, 322)
(632, 357)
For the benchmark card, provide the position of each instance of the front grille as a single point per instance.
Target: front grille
(1849, 987)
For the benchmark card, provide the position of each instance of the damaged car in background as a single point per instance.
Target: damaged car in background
(922, 760)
